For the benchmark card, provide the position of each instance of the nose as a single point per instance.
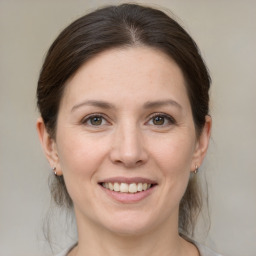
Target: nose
(128, 148)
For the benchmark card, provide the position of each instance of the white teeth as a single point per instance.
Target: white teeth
(125, 187)
(110, 185)
(133, 188)
(144, 186)
(116, 187)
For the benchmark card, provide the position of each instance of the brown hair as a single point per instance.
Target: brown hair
(125, 25)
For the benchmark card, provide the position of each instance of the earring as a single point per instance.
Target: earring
(54, 170)
(196, 169)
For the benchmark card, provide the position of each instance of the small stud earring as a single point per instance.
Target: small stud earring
(54, 170)
(196, 169)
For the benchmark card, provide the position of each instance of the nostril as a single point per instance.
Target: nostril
(129, 151)
(139, 162)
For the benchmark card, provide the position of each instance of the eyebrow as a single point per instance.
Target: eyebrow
(107, 105)
(95, 103)
(161, 103)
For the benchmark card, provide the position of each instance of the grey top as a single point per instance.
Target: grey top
(203, 250)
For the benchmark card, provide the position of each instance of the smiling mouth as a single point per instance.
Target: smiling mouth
(126, 187)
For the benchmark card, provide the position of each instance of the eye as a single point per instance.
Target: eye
(161, 120)
(94, 120)
(158, 120)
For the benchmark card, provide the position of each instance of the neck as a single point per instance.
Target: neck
(93, 240)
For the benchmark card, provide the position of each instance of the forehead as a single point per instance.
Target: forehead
(143, 72)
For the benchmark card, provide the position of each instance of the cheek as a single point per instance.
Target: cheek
(173, 157)
(80, 158)
(174, 154)
(80, 155)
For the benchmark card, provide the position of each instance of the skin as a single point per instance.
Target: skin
(135, 84)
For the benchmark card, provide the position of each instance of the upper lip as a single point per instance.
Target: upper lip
(128, 180)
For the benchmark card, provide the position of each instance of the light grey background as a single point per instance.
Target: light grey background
(225, 32)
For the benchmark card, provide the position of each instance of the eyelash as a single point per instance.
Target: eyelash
(167, 118)
(89, 118)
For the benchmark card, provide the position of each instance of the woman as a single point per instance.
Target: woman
(123, 97)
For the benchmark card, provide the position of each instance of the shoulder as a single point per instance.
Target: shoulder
(63, 253)
(66, 251)
(205, 251)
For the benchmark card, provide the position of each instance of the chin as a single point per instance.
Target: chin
(129, 224)
(129, 230)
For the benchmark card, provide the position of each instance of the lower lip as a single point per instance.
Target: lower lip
(127, 198)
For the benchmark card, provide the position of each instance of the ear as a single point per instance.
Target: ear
(49, 146)
(202, 144)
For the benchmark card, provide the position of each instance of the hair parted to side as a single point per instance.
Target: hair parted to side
(126, 25)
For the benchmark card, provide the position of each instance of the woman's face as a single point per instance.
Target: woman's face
(125, 123)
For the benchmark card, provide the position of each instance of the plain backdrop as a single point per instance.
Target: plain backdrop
(225, 32)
